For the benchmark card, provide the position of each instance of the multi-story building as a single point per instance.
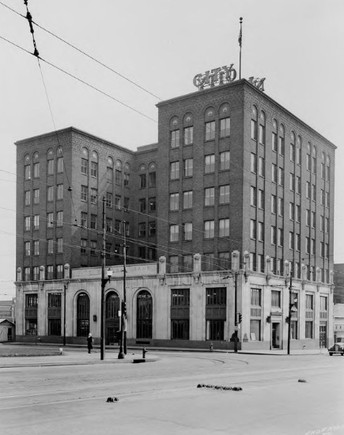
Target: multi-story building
(232, 171)
(338, 293)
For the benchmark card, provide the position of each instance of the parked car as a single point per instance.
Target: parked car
(336, 349)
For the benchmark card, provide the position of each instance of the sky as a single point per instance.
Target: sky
(160, 45)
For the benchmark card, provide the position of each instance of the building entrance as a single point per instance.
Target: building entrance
(275, 335)
(323, 335)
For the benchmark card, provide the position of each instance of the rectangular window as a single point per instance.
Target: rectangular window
(109, 199)
(142, 229)
(59, 271)
(298, 185)
(84, 193)
(27, 197)
(273, 235)
(93, 222)
(83, 220)
(36, 196)
(84, 166)
(27, 274)
(175, 138)
(36, 222)
(174, 171)
(225, 127)
(261, 231)
(292, 182)
(209, 229)
(209, 164)
(152, 228)
(59, 191)
(224, 227)
(50, 168)
(143, 181)
(314, 192)
(126, 179)
(174, 233)
(261, 199)
(36, 170)
(261, 166)
(152, 179)
(60, 165)
(224, 260)
(276, 298)
(152, 204)
(27, 248)
(59, 219)
(50, 246)
(209, 196)
(308, 329)
(188, 167)
(253, 229)
(36, 247)
(50, 193)
(94, 196)
(126, 203)
(142, 205)
(118, 201)
(174, 201)
(50, 220)
(187, 263)
(308, 189)
(109, 224)
(188, 231)
(27, 223)
(188, 135)
(291, 240)
(225, 157)
(253, 163)
(253, 196)
(187, 199)
(93, 247)
(94, 169)
(256, 299)
(224, 194)
(210, 130)
(253, 129)
(274, 141)
(274, 173)
(83, 246)
(273, 204)
(36, 273)
(27, 172)
(297, 213)
(280, 176)
(280, 237)
(118, 177)
(291, 211)
(109, 175)
(60, 245)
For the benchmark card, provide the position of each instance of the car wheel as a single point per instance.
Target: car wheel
(331, 354)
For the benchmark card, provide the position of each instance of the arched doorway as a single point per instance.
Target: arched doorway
(144, 315)
(83, 315)
(111, 317)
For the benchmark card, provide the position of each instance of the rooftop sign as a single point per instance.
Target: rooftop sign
(222, 75)
(215, 77)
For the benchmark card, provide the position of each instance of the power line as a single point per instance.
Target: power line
(83, 52)
(80, 80)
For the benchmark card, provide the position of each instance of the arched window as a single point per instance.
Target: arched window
(225, 121)
(262, 119)
(94, 164)
(152, 175)
(188, 129)
(50, 162)
(328, 168)
(314, 159)
(210, 124)
(298, 150)
(254, 122)
(83, 315)
(84, 161)
(27, 167)
(281, 133)
(118, 173)
(109, 170)
(144, 316)
(274, 136)
(292, 147)
(308, 156)
(112, 323)
(126, 174)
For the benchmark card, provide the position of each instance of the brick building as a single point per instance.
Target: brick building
(232, 171)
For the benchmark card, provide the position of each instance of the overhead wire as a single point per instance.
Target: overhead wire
(83, 52)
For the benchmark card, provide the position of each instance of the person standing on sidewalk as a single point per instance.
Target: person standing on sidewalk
(89, 342)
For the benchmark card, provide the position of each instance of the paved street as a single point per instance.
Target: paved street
(67, 394)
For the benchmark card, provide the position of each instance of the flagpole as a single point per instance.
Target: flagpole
(240, 44)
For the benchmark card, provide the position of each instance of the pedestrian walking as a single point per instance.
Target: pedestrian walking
(89, 342)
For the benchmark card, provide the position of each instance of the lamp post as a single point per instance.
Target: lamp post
(235, 269)
(291, 306)
(123, 344)
(104, 281)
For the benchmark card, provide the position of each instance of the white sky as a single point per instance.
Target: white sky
(298, 45)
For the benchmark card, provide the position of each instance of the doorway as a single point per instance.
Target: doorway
(323, 336)
(275, 335)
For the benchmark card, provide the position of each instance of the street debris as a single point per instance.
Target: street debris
(219, 387)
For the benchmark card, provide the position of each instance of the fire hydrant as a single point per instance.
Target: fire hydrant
(211, 347)
(144, 351)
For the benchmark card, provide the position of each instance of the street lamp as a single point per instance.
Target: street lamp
(123, 342)
(102, 311)
(292, 303)
(235, 269)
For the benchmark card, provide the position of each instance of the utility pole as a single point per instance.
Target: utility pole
(123, 343)
(290, 307)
